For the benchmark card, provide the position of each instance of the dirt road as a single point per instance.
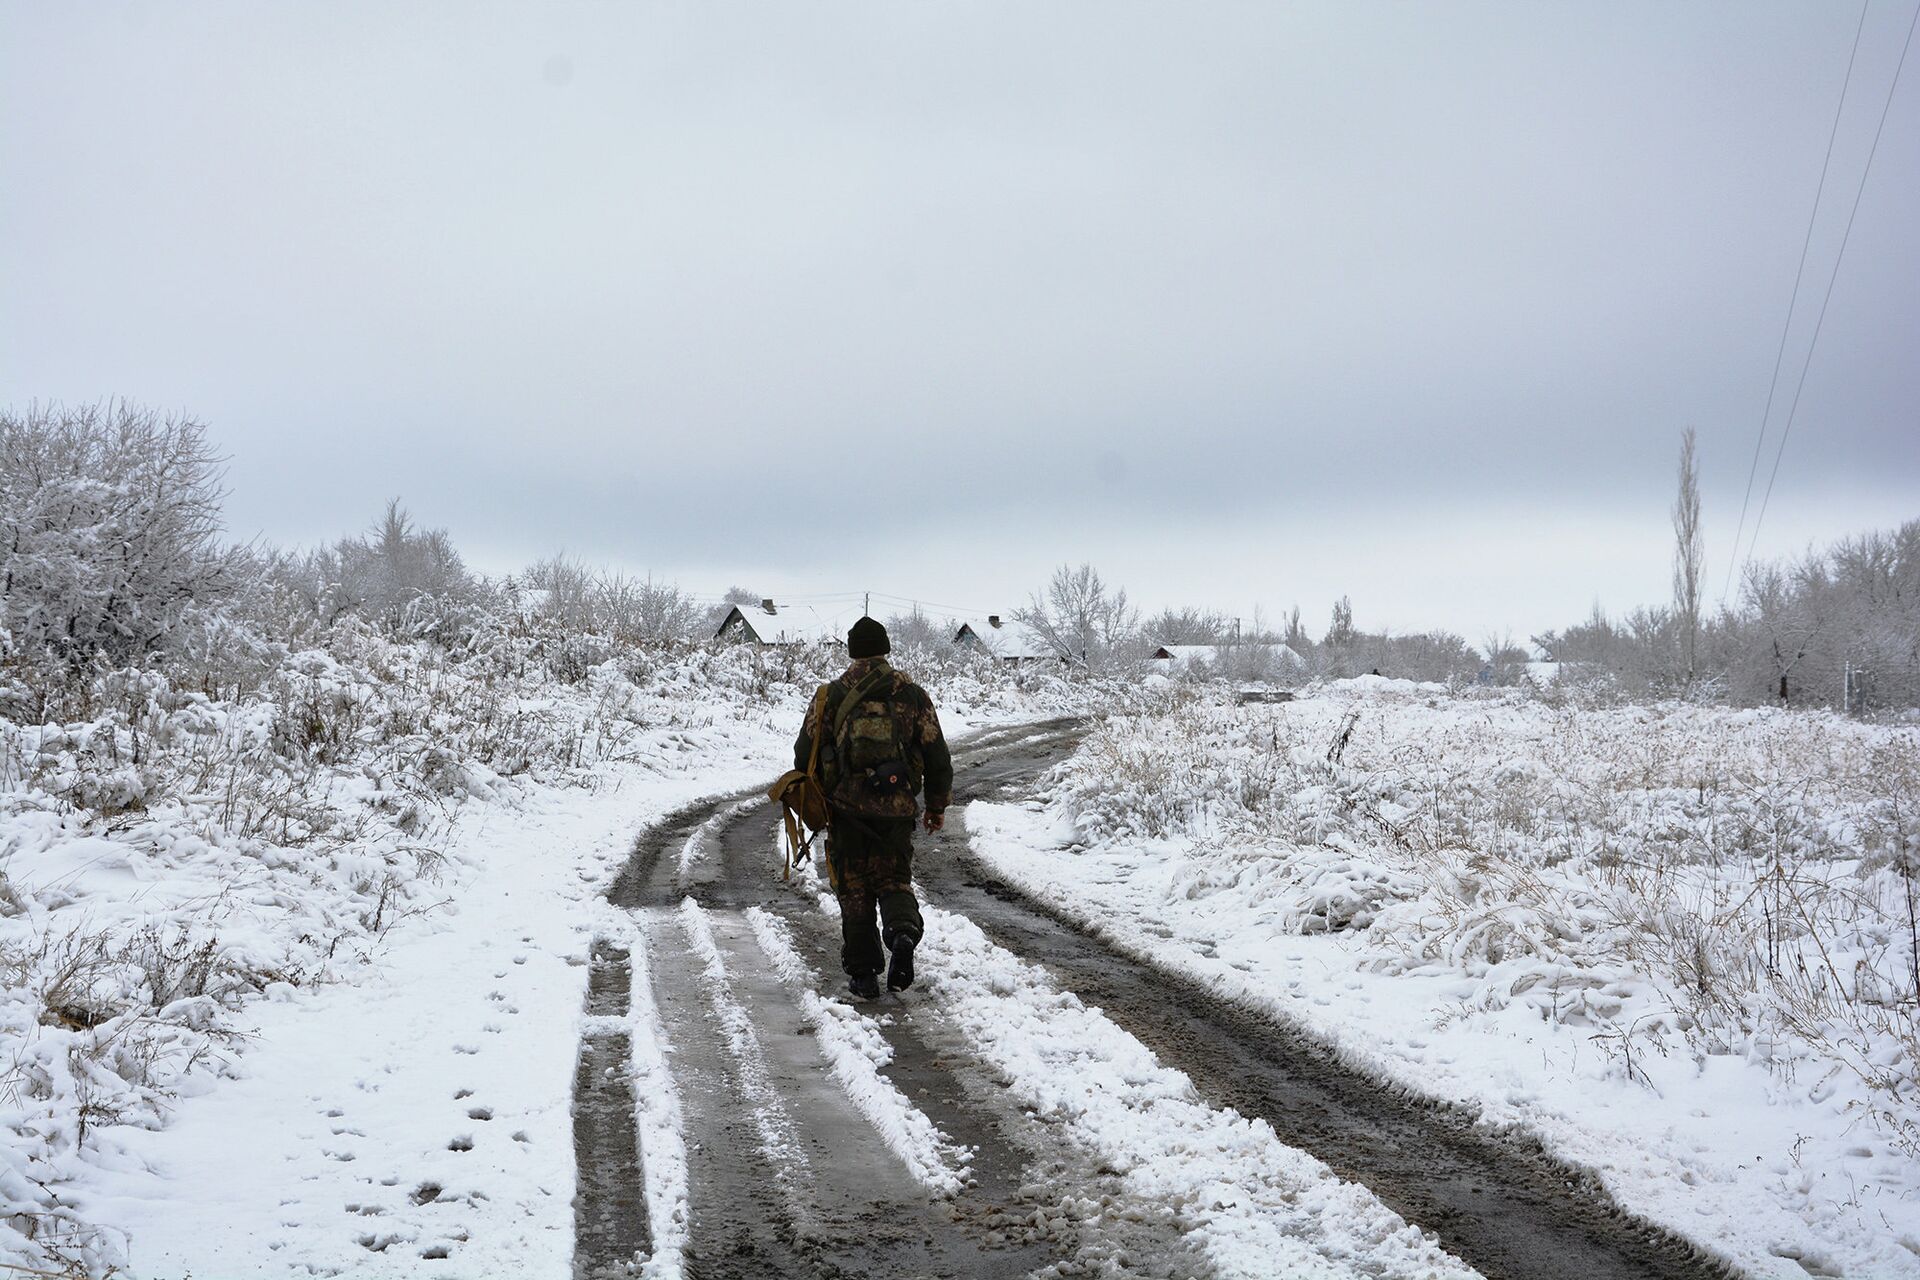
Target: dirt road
(788, 1176)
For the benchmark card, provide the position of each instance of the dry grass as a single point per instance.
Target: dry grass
(1672, 878)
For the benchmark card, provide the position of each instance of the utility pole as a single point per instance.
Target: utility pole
(866, 604)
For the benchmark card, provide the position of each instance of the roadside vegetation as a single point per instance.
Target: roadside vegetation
(1664, 879)
(226, 771)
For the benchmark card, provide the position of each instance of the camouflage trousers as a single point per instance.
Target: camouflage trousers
(871, 864)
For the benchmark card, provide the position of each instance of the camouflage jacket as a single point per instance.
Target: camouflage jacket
(915, 724)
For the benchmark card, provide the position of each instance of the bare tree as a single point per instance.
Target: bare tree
(1688, 552)
(1295, 636)
(1185, 626)
(1505, 659)
(566, 591)
(1080, 618)
(1340, 632)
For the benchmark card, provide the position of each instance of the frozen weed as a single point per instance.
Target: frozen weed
(1670, 877)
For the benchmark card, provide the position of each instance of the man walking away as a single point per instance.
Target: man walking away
(880, 743)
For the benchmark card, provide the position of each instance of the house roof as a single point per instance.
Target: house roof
(1005, 640)
(1182, 657)
(788, 624)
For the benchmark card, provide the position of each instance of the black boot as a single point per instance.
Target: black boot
(900, 968)
(865, 985)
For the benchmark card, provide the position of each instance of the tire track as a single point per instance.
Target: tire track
(611, 1224)
(786, 1176)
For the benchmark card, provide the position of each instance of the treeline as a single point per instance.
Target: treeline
(1084, 620)
(112, 555)
(1836, 627)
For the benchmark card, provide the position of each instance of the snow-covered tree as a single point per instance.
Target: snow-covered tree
(109, 530)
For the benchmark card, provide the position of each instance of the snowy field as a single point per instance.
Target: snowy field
(295, 982)
(1675, 943)
(259, 953)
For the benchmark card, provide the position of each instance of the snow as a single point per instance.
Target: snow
(1256, 1207)
(779, 1139)
(222, 920)
(332, 1028)
(425, 1108)
(1484, 900)
(856, 1049)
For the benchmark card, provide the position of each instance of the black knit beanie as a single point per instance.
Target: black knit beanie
(868, 639)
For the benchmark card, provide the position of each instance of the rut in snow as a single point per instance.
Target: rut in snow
(795, 1163)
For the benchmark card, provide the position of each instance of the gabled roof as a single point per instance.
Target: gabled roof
(784, 624)
(1184, 657)
(1004, 639)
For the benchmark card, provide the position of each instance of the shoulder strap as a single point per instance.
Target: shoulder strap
(820, 728)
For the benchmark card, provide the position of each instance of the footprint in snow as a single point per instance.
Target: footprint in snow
(480, 1113)
(466, 1048)
(464, 1093)
(462, 1143)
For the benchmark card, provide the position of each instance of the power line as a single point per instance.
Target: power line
(1885, 108)
(885, 597)
(1793, 302)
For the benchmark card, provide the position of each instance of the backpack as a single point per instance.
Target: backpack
(866, 741)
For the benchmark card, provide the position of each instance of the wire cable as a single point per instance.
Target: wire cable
(1793, 302)
(1845, 236)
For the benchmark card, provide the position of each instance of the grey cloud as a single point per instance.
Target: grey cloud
(1215, 283)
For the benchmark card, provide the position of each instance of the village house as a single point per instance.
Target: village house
(1231, 661)
(766, 624)
(1005, 640)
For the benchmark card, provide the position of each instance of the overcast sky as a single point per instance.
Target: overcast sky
(1248, 304)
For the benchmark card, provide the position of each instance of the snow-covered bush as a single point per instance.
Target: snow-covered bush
(109, 526)
(406, 580)
(1672, 877)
